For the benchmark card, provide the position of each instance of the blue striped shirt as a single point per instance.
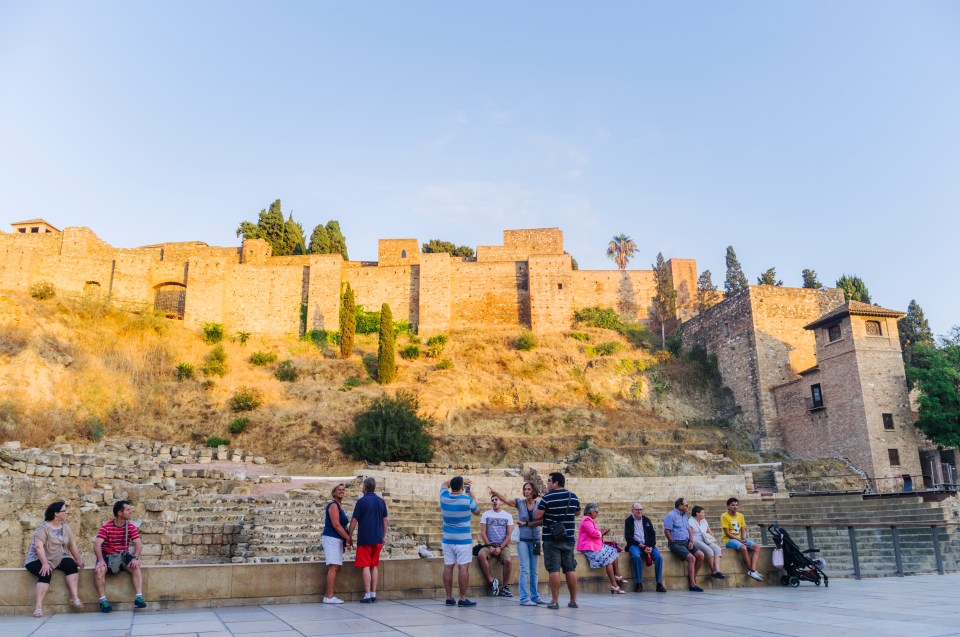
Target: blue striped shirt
(456, 510)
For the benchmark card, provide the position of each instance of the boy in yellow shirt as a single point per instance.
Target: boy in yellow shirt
(734, 528)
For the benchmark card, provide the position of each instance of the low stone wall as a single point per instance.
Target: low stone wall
(252, 584)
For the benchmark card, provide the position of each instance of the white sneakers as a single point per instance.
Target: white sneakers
(332, 600)
(755, 575)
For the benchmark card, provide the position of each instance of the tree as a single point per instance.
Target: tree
(810, 280)
(854, 289)
(621, 249)
(436, 245)
(390, 430)
(293, 235)
(769, 278)
(348, 322)
(270, 227)
(338, 243)
(936, 373)
(665, 302)
(736, 280)
(319, 241)
(386, 350)
(914, 330)
(707, 294)
(573, 263)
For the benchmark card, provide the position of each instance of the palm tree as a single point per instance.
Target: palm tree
(621, 249)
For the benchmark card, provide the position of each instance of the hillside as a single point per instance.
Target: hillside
(73, 370)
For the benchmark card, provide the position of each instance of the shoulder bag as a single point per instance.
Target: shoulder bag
(558, 530)
(115, 561)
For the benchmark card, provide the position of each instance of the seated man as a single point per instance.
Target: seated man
(113, 539)
(641, 540)
(734, 528)
(677, 529)
(496, 525)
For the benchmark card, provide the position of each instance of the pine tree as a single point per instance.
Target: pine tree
(736, 280)
(386, 354)
(294, 237)
(338, 243)
(914, 330)
(707, 294)
(665, 302)
(348, 322)
(810, 280)
(270, 227)
(854, 289)
(769, 278)
(319, 241)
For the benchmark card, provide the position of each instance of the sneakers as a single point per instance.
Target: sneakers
(466, 602)
(505, 591)
(139, 602)
(366, 600)
(333, 600)
(451, 602)
(660, 588)
(105, 606)
(718, 575)
(755, 575)
(696, 589)
(495, 587)
(528, 602)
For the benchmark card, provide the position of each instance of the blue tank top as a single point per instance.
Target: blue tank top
(328, 529)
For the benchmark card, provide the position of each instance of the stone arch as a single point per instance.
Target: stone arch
(170, 298)
(91, 290)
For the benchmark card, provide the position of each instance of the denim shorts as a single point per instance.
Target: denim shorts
(558, 556)
(736, 544)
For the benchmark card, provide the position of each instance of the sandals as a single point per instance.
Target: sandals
(38, 612)
(76, 603)
(616, 590)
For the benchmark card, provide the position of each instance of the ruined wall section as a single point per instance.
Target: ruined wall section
(206, 290)
(399, 286)
(396, 252)
(17, 265)
(435, 294)
(534, 241)
(629, 292)
(490, 294)
(263, 298)
(684, 273)
(323, 292)
(551, 289)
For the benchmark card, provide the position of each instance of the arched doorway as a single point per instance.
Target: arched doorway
(170, 298)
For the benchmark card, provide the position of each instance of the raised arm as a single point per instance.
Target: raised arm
(508, 501)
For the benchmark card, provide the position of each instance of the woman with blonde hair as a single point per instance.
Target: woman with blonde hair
(335, 539)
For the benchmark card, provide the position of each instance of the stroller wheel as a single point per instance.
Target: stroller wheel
(817, 581)
(784, 580)
(794, 582)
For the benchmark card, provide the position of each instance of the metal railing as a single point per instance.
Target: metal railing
(895, 527)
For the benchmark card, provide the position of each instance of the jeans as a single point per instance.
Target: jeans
(528, 570)
(637, 556)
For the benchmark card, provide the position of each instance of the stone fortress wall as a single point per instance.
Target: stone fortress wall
(526, 282)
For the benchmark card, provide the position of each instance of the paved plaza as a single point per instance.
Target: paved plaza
(914, 606)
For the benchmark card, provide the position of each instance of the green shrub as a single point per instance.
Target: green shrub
(94, 428)
(580, 336)
(215, 362)
(444, 363)
(286, 372)
(435, 345)
(602, 317)
(237, 425)
(42, 291)
(246, 399)
(638, 335)
(526, 341)
(402, 327)
(607, 348)
(262, 358)
(243, 337)
(212, 333)
(390, 430)
(320, 338)
(596, 398)
(184, 371)
(410, 352)
(217, 441)
(367, 322)
(351, 382)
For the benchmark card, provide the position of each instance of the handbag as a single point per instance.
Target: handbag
(115, 561)
(558, 530)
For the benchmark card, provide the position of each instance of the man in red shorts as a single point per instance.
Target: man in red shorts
(370, 520)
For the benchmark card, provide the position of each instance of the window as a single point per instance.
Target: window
(888, 421)
(894, 457)
(403, 254)
(817, 396)
(873, 328)
(23, 230)
(833, 333)
(35, 230)
(559, 286)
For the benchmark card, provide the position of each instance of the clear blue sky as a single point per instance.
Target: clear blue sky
(820, 135)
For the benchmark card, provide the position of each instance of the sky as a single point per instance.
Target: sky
(822, 135)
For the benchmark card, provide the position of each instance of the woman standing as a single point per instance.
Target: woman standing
(528, 548)
(600, 555)
(48, 551)
(335, 538)
(703, 539)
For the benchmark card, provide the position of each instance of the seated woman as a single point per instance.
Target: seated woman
(48, 552)
(600, 555)
(703, 539)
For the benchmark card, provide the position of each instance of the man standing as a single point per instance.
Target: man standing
(641, 540)
(734, 528)
(677, 529)
(112, 548)
(559, 507)
(456, 507)
(496, 525)
(370, 515)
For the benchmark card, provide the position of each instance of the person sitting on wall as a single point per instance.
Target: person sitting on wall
(703, 539)
(112, 548)
(734, 528)
(51, 546)
(641, 540)
(677, 530)
(496, 526)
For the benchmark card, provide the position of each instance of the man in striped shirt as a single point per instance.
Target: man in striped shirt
(113, 538)
(456, 508)
(559, 505)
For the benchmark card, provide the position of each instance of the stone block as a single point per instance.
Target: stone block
(262, 580)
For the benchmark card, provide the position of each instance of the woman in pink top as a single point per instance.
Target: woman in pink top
(600, 555)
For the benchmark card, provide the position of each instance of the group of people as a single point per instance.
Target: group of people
(54, 547)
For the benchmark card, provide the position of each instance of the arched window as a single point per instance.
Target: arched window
(403, 254)
(873, 328)
(170, 298)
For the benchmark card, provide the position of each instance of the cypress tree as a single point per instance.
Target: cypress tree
(810, 280)
(386, 356)
(348, 322)
(736, 280)
(769, 278)
(707, 295)
(273, 228)
(665, 303)
(914, 330)
(293, 234)
(854, 289)
(338, 243)
(319, 241)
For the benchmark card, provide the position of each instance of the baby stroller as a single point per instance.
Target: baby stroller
(797, 564)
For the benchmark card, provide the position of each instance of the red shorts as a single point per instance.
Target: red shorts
(367, 555)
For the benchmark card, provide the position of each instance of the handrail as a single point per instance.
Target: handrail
(860, 524)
